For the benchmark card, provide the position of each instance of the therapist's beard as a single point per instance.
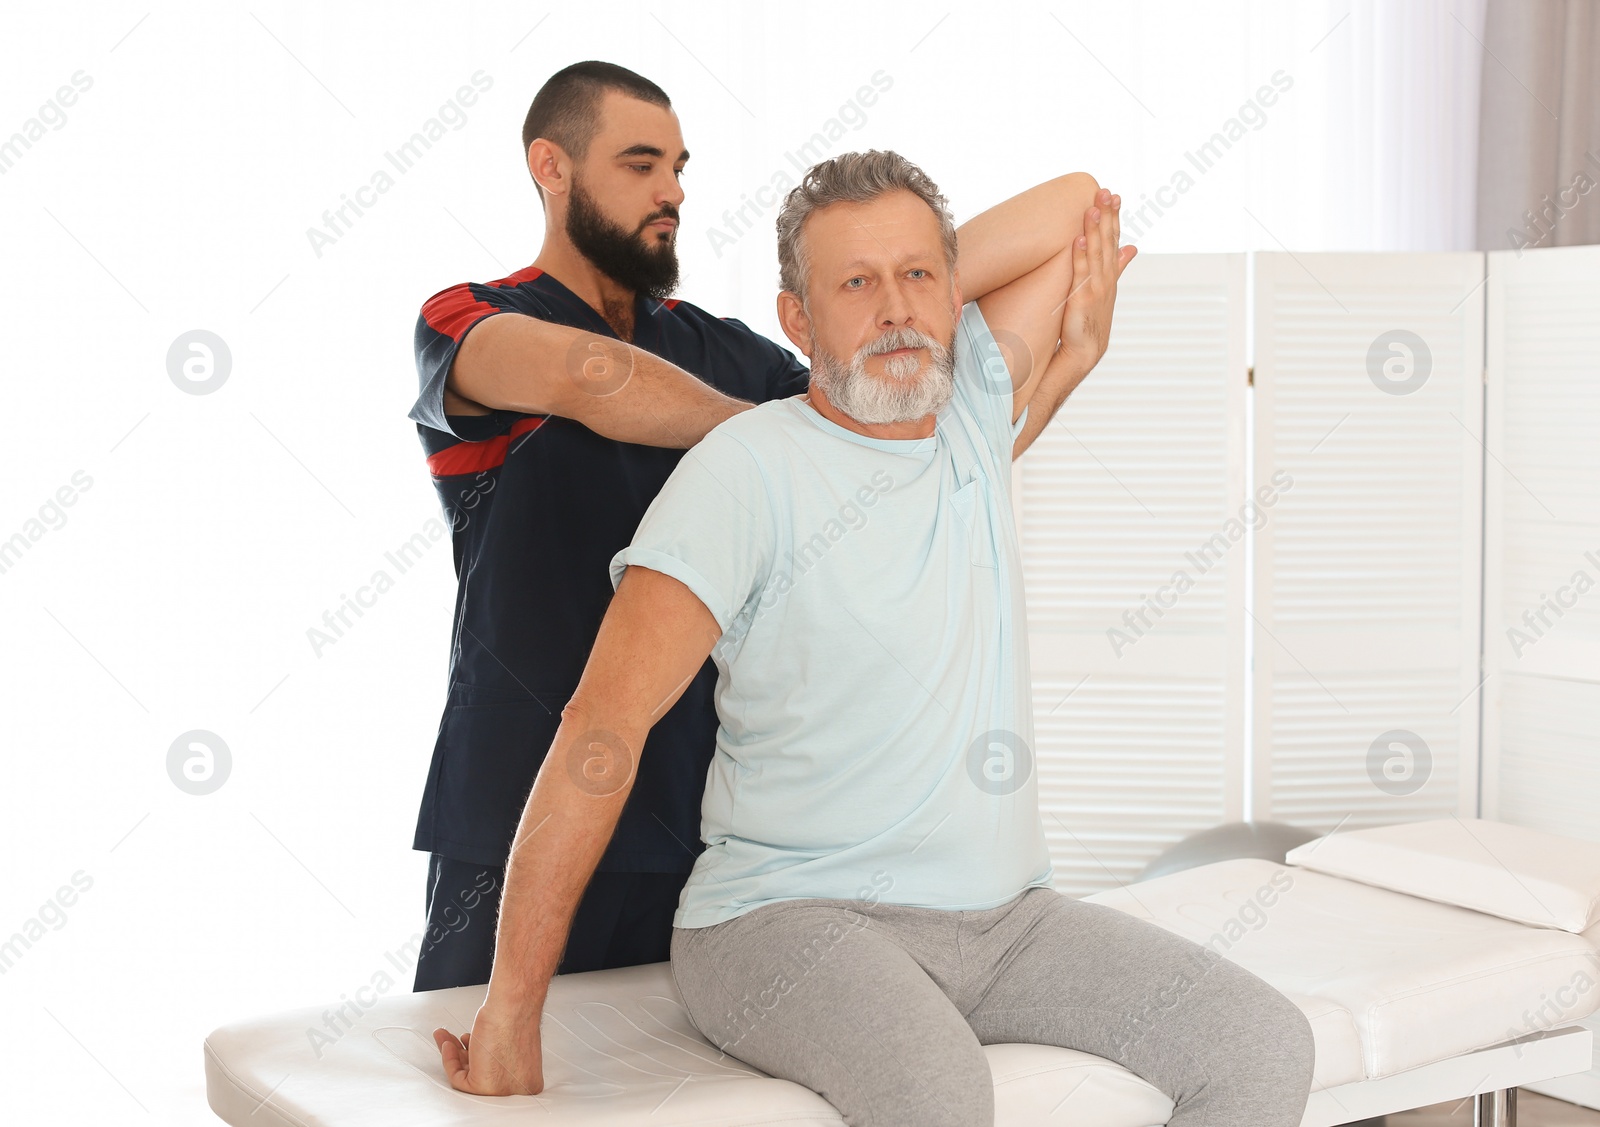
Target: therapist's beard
(641, 260)
(908, 389)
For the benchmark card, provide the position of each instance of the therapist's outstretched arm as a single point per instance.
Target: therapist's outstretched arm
(514, 362)
(655, 637)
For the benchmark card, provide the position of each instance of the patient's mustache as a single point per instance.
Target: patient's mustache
(900, 338)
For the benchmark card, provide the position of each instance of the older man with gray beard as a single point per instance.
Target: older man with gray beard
(876, 900)
(897, 397)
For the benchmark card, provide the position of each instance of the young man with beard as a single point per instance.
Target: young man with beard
(876, 900)
(554, 405)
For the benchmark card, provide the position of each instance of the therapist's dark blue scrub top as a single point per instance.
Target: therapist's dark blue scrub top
(537, 506)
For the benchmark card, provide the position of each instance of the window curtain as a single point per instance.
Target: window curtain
(1539, 132)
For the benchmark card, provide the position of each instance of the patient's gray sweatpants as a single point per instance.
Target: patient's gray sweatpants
(881, 1008)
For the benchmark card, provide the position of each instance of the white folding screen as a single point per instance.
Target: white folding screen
(1368, 385)
(1542, 567)
(1406, 567)
(1138, 674)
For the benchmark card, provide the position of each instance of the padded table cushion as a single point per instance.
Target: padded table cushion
(619, 1051)
(1414, 981)
(1388, 982)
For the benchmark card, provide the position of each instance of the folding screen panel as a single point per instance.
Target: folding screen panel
(1542, 598)
(1135, 588)
(1369, 410)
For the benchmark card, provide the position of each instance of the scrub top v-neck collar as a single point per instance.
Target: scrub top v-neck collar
(644, 313)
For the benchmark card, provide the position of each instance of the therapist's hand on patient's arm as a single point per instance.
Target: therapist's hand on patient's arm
(655, 637)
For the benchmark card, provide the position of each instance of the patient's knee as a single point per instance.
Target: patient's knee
(1280, 1035)
(874, 1085)
(953, 1093)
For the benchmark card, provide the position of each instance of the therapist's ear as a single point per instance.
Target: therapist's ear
(955, 293)
(549, 167)
(796, 325)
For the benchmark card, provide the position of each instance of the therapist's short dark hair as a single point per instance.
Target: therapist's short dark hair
(566, 110)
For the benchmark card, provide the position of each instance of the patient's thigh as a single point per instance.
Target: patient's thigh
(814, 992)
(1089, 977)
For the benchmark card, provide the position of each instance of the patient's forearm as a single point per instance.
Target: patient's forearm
(655, 636)
(565, 827)
(1064, 373)
(1011, 238)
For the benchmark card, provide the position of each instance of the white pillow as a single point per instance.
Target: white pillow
(1508, 871)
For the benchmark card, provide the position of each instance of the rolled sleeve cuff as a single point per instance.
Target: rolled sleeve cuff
(671, 565)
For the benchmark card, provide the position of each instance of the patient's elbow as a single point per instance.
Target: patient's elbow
(1078, 192)
(596, 757)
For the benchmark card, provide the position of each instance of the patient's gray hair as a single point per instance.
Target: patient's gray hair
(851, 178)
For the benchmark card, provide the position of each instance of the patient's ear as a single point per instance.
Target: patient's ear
(796, 325)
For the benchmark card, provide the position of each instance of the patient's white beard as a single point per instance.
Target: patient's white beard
(895, 397)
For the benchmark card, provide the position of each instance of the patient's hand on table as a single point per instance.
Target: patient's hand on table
(500, 1057)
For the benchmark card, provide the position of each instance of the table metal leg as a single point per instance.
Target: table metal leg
(1495, 1109)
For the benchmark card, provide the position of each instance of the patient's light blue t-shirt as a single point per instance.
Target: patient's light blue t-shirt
(876, 725)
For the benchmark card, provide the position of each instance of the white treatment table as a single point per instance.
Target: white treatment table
(1412, 1002)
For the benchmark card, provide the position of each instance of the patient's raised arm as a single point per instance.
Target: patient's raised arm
(1007, 241)
(655, 636)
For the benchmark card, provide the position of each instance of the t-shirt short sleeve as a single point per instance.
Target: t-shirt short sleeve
(442, 325)
(711, 527)
(983, 382)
